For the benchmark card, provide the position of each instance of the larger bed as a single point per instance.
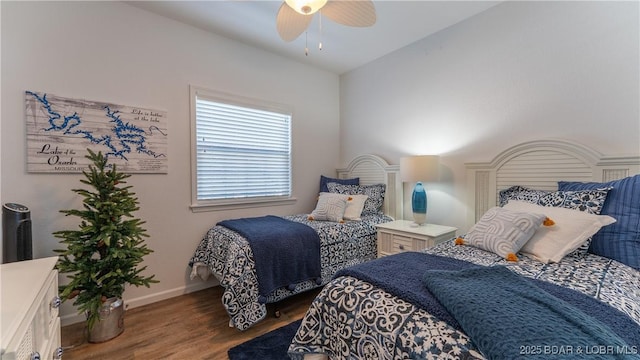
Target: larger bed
(463, 299)
(227, 255)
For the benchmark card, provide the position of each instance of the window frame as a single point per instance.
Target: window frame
(235, 203)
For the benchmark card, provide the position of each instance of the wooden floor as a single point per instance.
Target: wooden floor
(191, 326)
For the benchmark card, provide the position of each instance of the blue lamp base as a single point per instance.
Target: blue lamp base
(419, 204)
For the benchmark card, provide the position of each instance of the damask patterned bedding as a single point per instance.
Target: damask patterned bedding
(354, 319)
(228, 256)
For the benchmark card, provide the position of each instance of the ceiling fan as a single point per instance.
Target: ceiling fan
(295, 16)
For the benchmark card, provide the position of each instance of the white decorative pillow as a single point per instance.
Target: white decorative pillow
(355, 205)
(330, 207)
(572, 228)
(503, 231)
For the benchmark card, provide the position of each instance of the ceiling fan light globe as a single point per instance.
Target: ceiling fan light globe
(306, 7)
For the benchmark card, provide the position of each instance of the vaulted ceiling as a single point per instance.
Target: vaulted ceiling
(399, 23)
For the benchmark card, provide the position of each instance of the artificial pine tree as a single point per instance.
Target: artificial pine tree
(103, 255)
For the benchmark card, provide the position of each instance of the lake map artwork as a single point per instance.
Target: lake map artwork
(60, 130)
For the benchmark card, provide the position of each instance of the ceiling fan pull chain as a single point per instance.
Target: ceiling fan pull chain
(306, 44)
(320, 32)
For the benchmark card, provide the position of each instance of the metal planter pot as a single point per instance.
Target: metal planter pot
(111, 322)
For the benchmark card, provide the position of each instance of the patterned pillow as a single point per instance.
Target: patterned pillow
(375, 194)
(619, 241)
(355, 205)
(330, 207)
(518, 192)
(590, 201)
(572, 228)
(503, 231)
(325, 180)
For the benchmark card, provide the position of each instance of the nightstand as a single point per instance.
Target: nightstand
(404, 235)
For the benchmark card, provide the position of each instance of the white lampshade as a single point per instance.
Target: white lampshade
(422, 168)
(306, 7)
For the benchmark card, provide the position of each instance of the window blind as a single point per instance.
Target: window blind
(242, 152)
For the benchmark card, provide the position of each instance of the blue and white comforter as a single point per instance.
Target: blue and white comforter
(228, 256)
(352, 319)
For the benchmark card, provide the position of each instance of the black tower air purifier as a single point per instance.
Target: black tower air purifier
(16, 233)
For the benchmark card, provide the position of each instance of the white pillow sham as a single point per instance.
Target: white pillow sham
(572, 228)
(355, 205)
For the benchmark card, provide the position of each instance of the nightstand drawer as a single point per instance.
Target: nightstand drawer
(401, 243)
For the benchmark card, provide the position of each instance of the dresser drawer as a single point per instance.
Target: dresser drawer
(52, 348)
(51, 303)
(48, 308)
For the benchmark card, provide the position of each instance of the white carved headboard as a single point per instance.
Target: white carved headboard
(540, 165)
(372, 169)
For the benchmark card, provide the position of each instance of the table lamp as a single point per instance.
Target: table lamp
(418, 169)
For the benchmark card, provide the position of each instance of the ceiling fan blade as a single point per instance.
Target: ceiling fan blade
(359, 13)
(291, 24)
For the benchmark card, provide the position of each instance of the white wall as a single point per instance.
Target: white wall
(113, 52)
(519, 71)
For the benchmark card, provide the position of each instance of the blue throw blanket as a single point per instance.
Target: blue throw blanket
(285, 252)
(507, 316)
(402, 275)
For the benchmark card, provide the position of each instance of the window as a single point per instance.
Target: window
(242, 151)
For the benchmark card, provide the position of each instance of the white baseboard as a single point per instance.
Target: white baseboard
(69, 319)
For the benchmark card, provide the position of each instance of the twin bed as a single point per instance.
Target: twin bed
(469, 298)
(228, 256)
(465, 300)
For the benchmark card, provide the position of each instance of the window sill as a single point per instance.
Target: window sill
(241, 204)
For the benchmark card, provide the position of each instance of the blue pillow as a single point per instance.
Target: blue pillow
(619, 241)
(325, 180)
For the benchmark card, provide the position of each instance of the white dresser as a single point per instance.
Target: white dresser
(29, 310)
